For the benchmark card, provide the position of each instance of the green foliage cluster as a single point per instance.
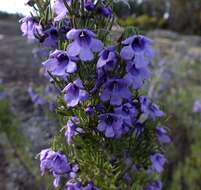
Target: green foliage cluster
(183, 15)
(143, 22)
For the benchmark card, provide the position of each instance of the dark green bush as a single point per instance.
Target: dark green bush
(143, 22)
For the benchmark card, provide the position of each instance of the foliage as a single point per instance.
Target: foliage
(143, 22)
(185, 16)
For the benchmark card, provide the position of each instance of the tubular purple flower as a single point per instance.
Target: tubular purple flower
(50, 37)
(158, 160)
(57, 180)
(89, 5)
(156, 185)
(136, 76)
(154, 111)
(115, 90)
(197, 106)
(35, 98)
(128, 112)
(89, 110)
(162, 135)
(73, 186)
(90, 186)
(144, 103)
(74, 93)
(105, 11)
(137, 49)
(149, 108)
(54, 162)
(72, 129)
(60, 9)
(107, 58)
(110, 124)
(139, 128)
(30, 27)
(60, 64)
(84, 44)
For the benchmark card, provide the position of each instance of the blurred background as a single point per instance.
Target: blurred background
(27, 123)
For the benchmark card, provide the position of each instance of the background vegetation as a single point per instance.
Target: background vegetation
(176, 89)
(180, 15)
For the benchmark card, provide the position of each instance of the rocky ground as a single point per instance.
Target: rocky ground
(18, 69)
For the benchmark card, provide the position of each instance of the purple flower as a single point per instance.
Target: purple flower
(154, 111)
(136, 76)
(50, 37)
(137, 49)
(107, 59)
(89, 5)
(54, 162)
(89, 110)
(72, 129)
(29, 27)
(197, 106)
(57, 180)
(73, 186)
(35, 98)
(105, 11)
(139, 128)
(90, 186)
(115, 90)
(84, 44)
(110, 124)
(162, 135)
(74, 93)
(149, 108)
(100, 108)
(158, 160)
(156, 185)
(60, 9)
(128, 112)
(60, 64)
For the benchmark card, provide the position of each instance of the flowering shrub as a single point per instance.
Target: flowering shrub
(111, 136)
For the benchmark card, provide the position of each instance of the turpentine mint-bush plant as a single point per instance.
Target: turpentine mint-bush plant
(111, 136)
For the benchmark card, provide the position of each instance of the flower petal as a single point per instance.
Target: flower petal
(115, 99)
(73, 49)
(128, 40)
(101, 126)
(127, 53)
(73, 34)
(71, 67)
(86, 54)
(109, 132)
(140, 61)
(96, 45)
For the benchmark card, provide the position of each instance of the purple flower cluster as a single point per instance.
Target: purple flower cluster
(56, 163)
(99, 87)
